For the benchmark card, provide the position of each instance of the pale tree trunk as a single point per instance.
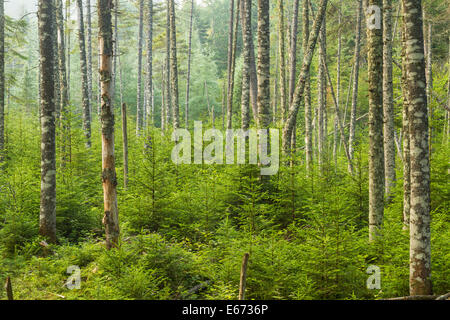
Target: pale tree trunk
(353, 111)
(293, 50)
(47, 217)
(68, 31)
(174, 67)
(405, 137)
(233, 66)
(163, 100)
(89, 53)
(63, 83)
(388, 101)
(2, 80)
(84, 76)
(188, 80)
(245, 96)
(429, 77)
(125, 145)
(252, 70)
(116, 50)
(420, 250)
(229, 67)
(168, 103)
(139, 111)
(111, 217)
(304, 71)
(322, 95)
(282, 57)
(338, 86)
(275, 91)
(307, 99)
(56, 59)
(263, 63)
(149, 81)
(376, 150)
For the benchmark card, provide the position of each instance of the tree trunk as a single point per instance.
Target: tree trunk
(229, 67)
(56, 59)
(252, 70)
(263, 63)
(420, 250)
(376, 150)
(68, 46)
(84, 77)
(247, 39)
(47, 218)
(139, 111)
(282, 57)
(125, 145)
(2, 79)
(168, 103)
(300, 87)
(149, 81)
(63, 83)
(188, 80)
(174, 67)
(388, 102)
(89, 54)
(243, 277)
(338, 86)
(293, 51)
(322, 94)
(353, 112)
(111, 217)
(307, 99)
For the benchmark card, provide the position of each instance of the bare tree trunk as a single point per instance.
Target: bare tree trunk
(47, 218)
(2, 80)
(84, 77)
(68, 20)
(307, 99)
(139, 111)
(149, 81)
(300, 87)
(111, 217)
(263, 63)
(388, 101)
(56, 59)
(229, 67)
(322, 94)
(429, 77)
(420, 250)
(282, 57)
(243, 277)
(353, 112)
(125, 145)
(188, 81)
(247, 39)
(376, 150)
(65, 129)
(89, 54)
(293, 50)
(338, 86)
(174, 67)
(168, 103)
(252, 70)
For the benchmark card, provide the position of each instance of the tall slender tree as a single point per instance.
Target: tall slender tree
(149, 80)
(307, 94)
(388, 100)
(282, 59)
(47, 217)
(420, 249)
(84, 76)
(376, 150)
(89, 53)
(229, 66)
(293, 50)
(139, 111)
(2, 79)
(174, 67)
(263, 63)
(245, 96)
(111, 217)
(322, 95)
(188, 80)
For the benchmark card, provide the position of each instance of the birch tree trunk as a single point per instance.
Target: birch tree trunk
(353, 112)
(300, 87)
(47, 217)
(84, 76)
(322, 94)
(376, 150)
(56, 59)
(282, 57)
(229, 67)
(338, 85)
(149, 80)
(168, 103)
(245, 97)
(174, 67)
(293, 50)
(89, 54)
(111, 217)
(139, 111)
(307, 99)
(2, 80)
(188, 81)
(420, 250)
(388, 101)
(263, 63)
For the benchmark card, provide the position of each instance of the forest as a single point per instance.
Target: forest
(225, 150)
